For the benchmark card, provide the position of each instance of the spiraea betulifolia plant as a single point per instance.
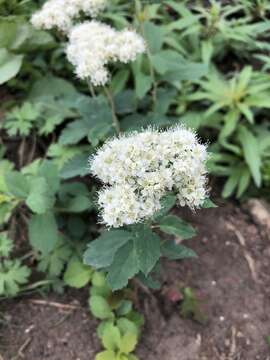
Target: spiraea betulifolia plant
(144, 173)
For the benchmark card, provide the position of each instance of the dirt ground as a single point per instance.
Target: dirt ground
(231, 277)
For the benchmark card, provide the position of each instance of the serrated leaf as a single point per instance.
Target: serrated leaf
(148, 281)
(53, 263)
(43, 232)
(40, 199)
(100, 307)
(173, 225)
(76, 166)
(12, 275)
(73, 133)
(147, 246)
(174, 251)
(125, 265)
(99, 132)
(17, 184)
(77, 274)
(6, 245)
(49, 170)
(6, 166)
(101, 252)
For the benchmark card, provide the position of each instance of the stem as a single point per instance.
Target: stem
(91, 88)
(151, 68)
(112, 106)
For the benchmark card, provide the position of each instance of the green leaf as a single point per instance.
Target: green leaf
(73, 133)
(78, 204)
(99, 132)
(154, 36)
(244, 181)
(101, 252)
(8, 31)
(268, 340)
(54, 86)
(49, 171)
(128, 343)
(147, 246)
(148, 281)
(127, 326)
(124, 266)
(191, 307)
(77, 274)
(143, 84)
(12, 275)
(174, 251)
(231, 183)
(173, 225)
(208, 204)
(40, 199)
(174, 67)
(231, 119)
(106, 355)
(100, 307)
(132, 357)
(167, 203)
(244, 79)
(119, 81)
(54, 262)
(111, 337)
(10, 65)
(98, 279)
(6, 245)
(207, 51)
(43, 232)
(17, 184)
(124, 308)
(165, 98)
(6, 166)
(251, 151)
(76, 166)
(6, 211)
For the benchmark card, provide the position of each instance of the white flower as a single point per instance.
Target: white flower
(61, 13)
(90, 48)
(140, 168)
(129, 45)
(122, 205)
(93, 45)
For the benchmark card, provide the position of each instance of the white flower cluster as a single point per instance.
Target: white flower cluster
(60, 13)
(139, 169)
(93, 45)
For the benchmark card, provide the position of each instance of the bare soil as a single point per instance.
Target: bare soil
(231, 277)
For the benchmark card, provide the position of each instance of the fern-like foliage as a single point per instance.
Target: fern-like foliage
(12, 275)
